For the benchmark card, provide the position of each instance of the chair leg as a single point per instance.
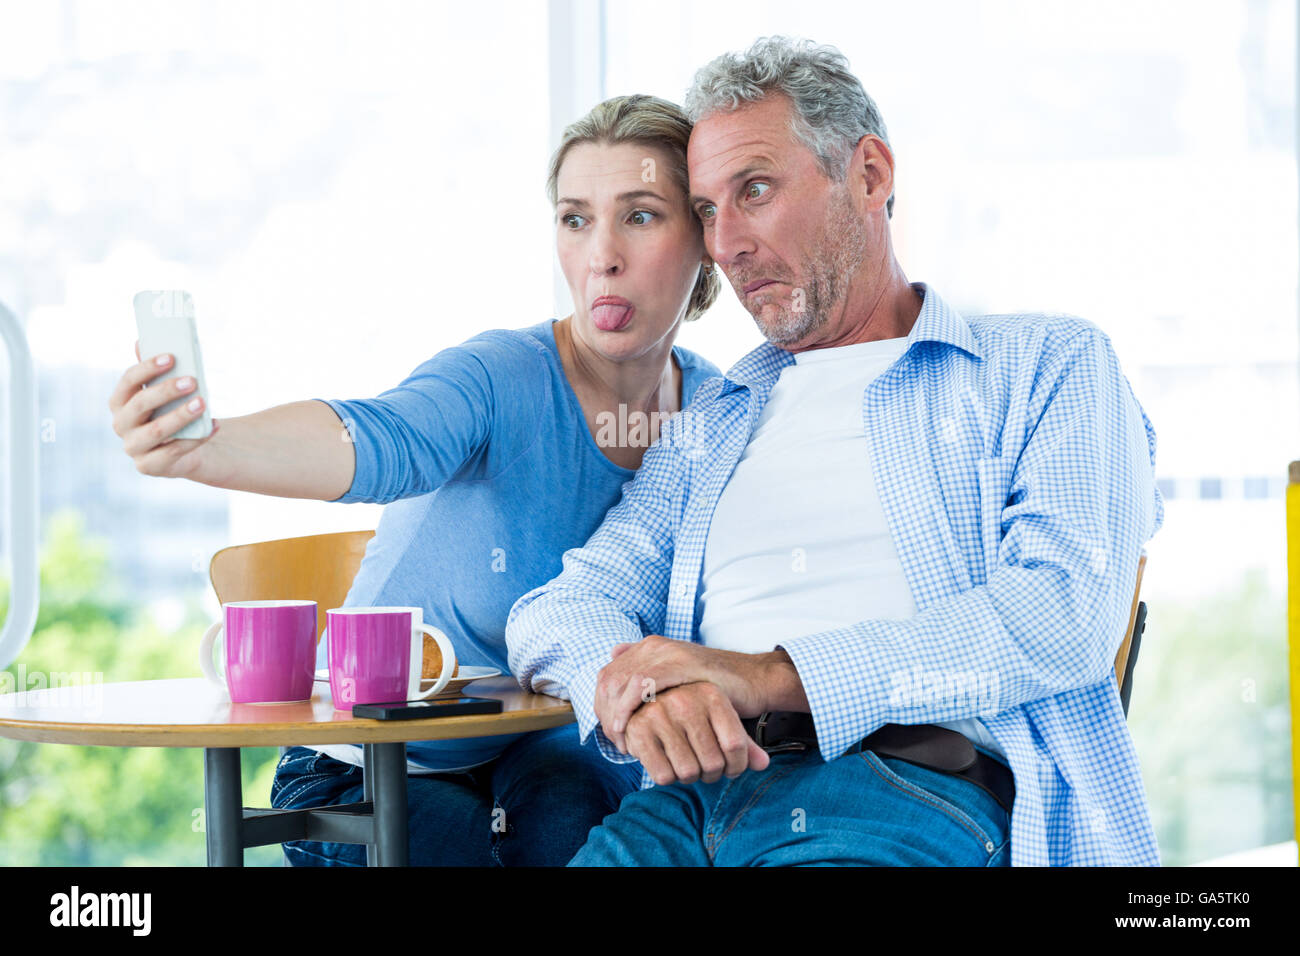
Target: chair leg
(1139, 625)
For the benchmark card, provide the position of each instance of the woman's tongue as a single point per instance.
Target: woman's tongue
(611, 318)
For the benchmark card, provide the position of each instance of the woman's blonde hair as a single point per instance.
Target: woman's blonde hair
(647, 121)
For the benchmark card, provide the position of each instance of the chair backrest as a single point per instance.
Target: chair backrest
(1127, 655)
(318, 567)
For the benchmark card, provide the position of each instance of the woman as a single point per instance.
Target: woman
(504, 454)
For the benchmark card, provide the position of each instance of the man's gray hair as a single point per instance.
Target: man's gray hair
(832, 111)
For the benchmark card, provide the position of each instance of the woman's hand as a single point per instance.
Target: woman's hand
(149, 443)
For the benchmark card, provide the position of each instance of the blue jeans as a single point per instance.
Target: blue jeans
(532, 806)
(858, 810)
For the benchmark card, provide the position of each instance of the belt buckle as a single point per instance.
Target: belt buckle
(760, 738)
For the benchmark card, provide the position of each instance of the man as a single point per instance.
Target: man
(862, 600)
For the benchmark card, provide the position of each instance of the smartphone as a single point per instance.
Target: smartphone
(436, 707)
(165, 322)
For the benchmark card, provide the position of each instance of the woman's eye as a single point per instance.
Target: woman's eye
(570, 219)
(754, 190)
(645, 216)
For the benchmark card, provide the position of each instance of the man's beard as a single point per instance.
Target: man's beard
(829, 266)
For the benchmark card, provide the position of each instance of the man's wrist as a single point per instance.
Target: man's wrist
(782, 688)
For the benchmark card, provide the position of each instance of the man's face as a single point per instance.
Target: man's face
(789, 239)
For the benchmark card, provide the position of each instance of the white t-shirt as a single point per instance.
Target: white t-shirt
(799, 542)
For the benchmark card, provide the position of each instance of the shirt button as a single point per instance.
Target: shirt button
(681, 590)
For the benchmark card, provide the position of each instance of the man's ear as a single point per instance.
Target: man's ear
(872, 169)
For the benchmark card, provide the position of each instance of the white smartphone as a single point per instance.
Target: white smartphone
(165, 321)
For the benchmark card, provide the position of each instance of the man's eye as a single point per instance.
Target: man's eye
(569, 220)
(754, 190)
(645, 214)
(706, 211)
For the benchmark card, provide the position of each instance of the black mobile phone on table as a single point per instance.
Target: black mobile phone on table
(437, 707)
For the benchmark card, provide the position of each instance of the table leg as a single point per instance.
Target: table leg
(368, 792)
(224, 812)
(386, 763)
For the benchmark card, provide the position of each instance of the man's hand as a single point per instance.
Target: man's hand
(690, 733)
(639, 671)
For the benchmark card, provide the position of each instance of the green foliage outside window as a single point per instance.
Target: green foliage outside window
(67, 805)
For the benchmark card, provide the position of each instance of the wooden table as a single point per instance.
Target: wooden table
(191, 712)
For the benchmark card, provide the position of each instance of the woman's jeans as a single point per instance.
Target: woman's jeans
(532, 806)
(858, 810)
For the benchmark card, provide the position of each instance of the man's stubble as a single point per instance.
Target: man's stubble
(829, 265)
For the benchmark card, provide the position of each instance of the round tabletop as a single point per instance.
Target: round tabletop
(191, 712)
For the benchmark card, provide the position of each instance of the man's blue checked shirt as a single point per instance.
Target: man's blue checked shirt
(1016, 470)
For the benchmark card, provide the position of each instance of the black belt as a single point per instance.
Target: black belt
(925, 745)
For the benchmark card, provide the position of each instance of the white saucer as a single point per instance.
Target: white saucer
(457, 683)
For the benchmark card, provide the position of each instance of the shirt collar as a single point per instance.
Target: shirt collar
(937, 322)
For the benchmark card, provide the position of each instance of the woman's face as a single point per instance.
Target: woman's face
(629, 246)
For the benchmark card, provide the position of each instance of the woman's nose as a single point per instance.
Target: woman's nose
(606, 257)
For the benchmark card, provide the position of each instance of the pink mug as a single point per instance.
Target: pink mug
(269, 651)
(376, 655)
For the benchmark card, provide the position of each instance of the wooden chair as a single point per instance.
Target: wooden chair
(318, 567)
(1127, 657)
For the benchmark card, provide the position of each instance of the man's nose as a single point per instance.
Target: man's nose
(729, 238)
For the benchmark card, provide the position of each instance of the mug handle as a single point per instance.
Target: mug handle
(323, 634)
(417, 657)
(205, 655)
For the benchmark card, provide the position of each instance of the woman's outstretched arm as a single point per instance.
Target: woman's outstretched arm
(298, 450)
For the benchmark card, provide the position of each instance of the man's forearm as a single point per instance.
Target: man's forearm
(558, 638)
(298, 450)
